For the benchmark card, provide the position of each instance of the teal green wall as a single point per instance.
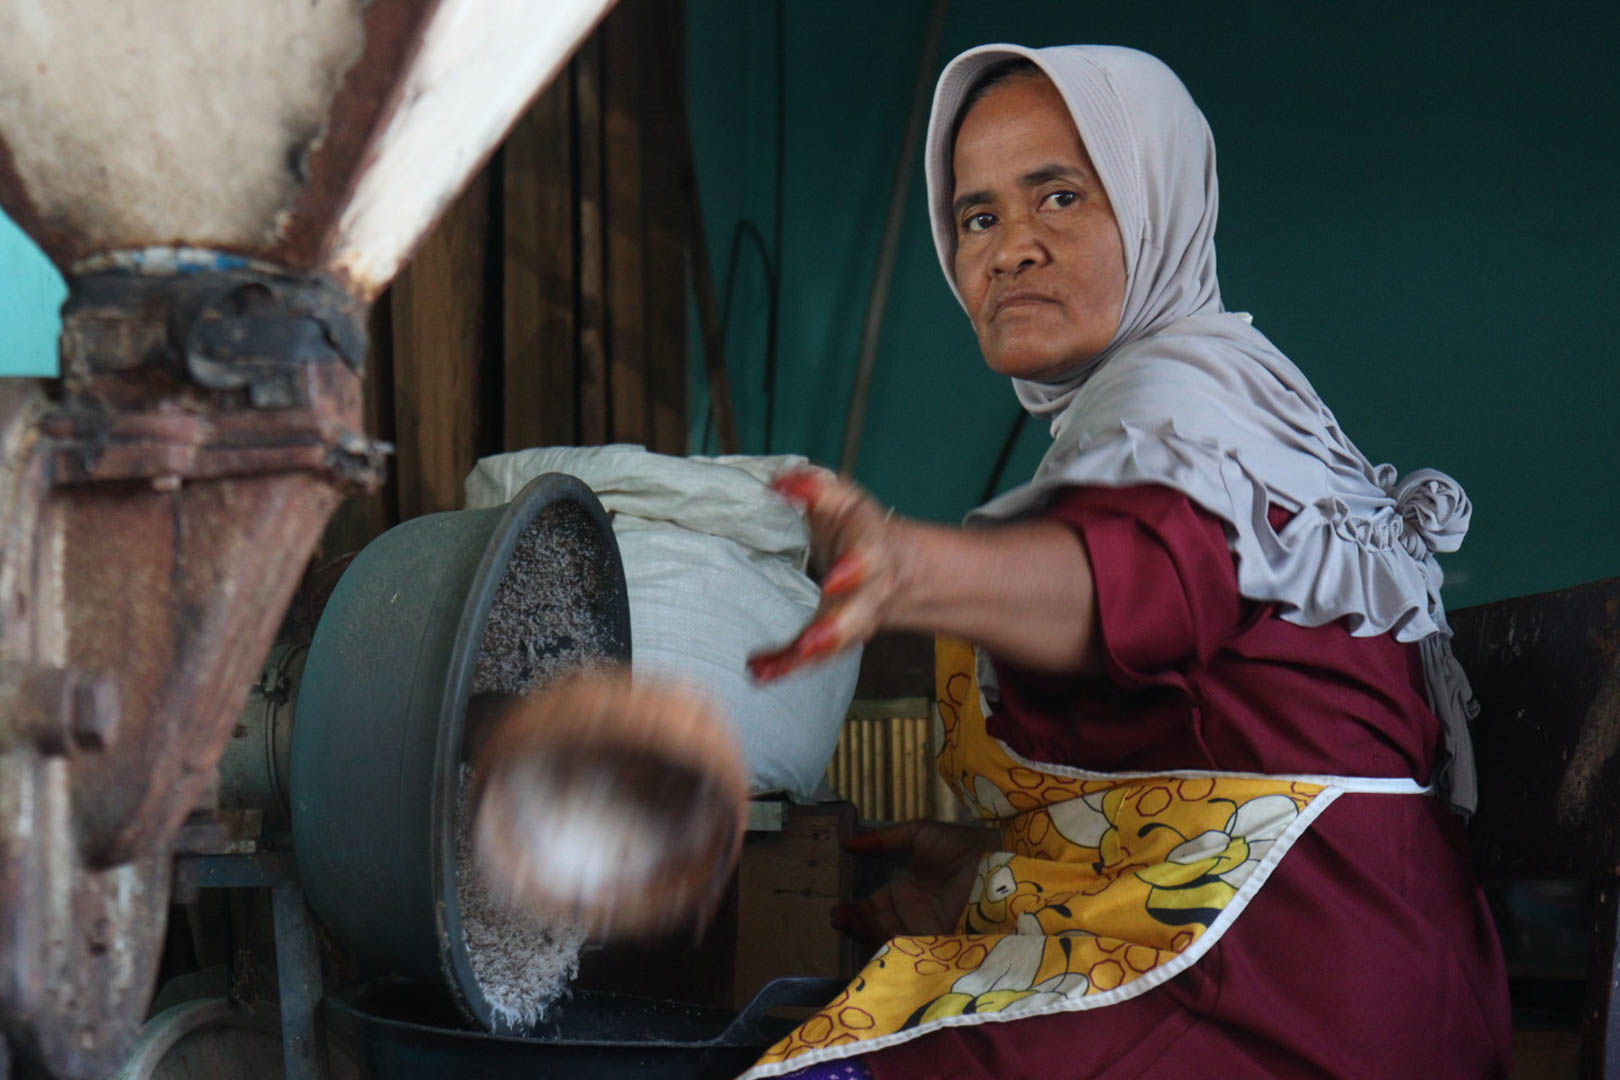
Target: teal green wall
(1419, 204)
(31, 291)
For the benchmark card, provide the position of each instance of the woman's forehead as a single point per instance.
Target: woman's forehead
(1018, 126)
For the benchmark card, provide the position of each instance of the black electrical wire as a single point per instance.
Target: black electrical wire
(994, 483)
(770, 255)
(745, 230)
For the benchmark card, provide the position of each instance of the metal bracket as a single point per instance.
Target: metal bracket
(228, 372)
(298, 958)
(246, 330)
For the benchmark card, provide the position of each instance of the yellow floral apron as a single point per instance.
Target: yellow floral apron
(1109, 885)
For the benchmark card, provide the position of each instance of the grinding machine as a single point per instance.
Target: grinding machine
(226, 188)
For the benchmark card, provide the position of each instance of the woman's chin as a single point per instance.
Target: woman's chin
(1034, 366)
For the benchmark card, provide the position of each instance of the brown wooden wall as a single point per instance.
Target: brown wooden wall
(548, 306)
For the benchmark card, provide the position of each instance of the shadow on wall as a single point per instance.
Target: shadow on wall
(31, 294)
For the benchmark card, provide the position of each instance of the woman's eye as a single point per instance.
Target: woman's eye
(1061, 199)
(978, 222)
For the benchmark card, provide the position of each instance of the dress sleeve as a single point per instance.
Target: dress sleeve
(1167, 592)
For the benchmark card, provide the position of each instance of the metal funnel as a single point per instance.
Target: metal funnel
(314, 135)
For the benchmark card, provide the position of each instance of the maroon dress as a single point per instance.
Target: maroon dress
(1369, 953)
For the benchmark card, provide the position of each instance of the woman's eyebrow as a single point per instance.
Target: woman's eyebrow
(964, 201)
(1033, 178)
(1053, 171)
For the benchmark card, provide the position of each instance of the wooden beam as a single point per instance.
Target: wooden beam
(594, 426)
(539, 293)
(665, 218)
(438, 330)
(624, 44)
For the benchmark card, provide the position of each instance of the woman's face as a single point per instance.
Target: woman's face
(1039, 258)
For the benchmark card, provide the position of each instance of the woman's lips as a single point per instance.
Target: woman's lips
(1020, 301)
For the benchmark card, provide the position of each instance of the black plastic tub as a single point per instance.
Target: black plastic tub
(397, 1032)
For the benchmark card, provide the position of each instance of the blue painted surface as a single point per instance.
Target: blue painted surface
(31, 292)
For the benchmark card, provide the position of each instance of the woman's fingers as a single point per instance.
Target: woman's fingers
(820, 639)
(843, 622)
(802, 486)
(835, 509)
(848, 531)
(846, 574)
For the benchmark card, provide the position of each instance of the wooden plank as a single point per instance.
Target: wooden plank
(881, 708)
(836, 771)
(539, 294)
(786, 884)
(665, 219)
(846, 762)
(898, 764)
(880, 767)
(624, 43)
(925, 766)
(594, 425)
(438, 330)
(868, 803)
(910, 772)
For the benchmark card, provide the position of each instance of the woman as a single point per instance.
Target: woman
(1209, 699)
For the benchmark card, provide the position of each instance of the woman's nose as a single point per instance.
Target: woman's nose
(1020, 247)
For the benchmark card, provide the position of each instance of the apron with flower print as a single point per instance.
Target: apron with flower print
(1108, 885)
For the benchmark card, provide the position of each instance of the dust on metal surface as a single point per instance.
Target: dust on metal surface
(201, 122)
(315, 134)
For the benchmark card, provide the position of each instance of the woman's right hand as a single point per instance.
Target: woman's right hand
(861, 547)
(929, 895)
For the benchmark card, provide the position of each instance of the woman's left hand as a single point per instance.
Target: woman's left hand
(860, 544)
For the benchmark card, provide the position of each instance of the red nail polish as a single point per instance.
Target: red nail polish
(797, 487)
(847, 573)
(769, 667)
(817, 640)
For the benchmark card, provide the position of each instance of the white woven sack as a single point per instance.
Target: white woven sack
(713, 563)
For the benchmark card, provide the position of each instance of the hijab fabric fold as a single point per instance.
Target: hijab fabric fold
(1192, 397)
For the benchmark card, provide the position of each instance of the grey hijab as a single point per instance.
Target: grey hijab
(1191, 396)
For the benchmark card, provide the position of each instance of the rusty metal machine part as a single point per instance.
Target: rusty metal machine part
(242, 183)
(159, 505)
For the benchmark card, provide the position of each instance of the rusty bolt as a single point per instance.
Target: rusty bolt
(95, 712)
